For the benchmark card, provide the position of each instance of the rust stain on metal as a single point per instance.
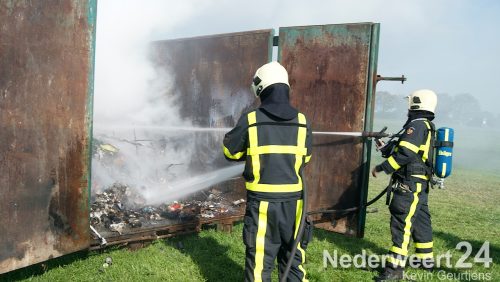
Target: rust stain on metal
(328, 68)
(45, 54)
(213, 76)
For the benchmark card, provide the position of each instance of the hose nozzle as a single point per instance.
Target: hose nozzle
(377, 135)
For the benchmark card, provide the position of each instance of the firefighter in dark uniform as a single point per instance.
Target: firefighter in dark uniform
(410, 163)
(275, 142)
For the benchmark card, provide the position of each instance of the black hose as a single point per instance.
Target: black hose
(353, 209)
(303, 220)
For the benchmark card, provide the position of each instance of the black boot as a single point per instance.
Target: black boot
(390, 274)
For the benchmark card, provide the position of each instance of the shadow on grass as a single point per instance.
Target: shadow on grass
(353, 246)
(452, 241)
(210, 256)
(41, 268)
(349, 245)
(461, 273)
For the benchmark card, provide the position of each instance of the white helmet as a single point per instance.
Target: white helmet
(268, 74)
(422, 100)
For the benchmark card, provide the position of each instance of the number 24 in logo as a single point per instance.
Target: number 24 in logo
(482, 256)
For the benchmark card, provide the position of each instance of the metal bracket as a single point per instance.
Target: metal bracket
(402, 78)
(276, 40)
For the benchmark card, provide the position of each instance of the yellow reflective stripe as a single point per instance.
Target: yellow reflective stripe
(399, 251)
(393, 163)
(426, 148)
(298, 217)
(278, 188)
(252, 130)
(301, 142)
(424, 177)
(427, 245)
(410, 146)
(446, 134)
(308, 158)
(302, 118)
(396, 261)
(228, 154)
(424, 256)
(443, 172)
(277, 149)
(413, 207)
(427, 124)
(301, 268)
(254, 143)
(260, 241)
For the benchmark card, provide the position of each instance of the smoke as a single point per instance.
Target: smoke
(132, 97)
(127, 87)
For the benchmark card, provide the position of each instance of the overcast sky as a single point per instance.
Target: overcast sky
(451, 46)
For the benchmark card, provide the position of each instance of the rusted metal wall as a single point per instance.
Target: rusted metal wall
(46, 78)
(212, 77)
(330, 70)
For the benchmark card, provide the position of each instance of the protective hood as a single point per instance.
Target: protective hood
(275, 100)
(412, 115)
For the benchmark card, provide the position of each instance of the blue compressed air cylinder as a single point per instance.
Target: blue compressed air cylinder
(444, 152)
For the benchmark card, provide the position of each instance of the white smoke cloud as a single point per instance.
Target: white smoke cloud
(130, 94)
(125, 80)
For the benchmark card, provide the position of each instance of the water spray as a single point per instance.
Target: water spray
(180, 129)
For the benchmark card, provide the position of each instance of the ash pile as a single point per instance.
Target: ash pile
(120, 209)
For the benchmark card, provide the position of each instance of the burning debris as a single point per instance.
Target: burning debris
(121, 209)
(127, 193)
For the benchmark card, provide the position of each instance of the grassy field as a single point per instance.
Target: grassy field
(467, 210)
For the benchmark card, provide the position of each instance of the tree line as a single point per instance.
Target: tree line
(455, 110)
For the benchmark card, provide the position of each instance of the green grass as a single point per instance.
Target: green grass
(466, 210)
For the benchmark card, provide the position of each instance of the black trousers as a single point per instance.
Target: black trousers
(410, 218)
(269, 231)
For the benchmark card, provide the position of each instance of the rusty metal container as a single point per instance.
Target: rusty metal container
(332, 72)
(46, 86)
(45, 119)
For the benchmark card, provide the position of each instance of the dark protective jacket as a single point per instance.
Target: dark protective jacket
(275, 146)
(412, 158)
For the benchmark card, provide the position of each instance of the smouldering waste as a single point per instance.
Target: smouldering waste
(120, 209)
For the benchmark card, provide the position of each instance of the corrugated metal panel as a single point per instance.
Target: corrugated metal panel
(330, 71)
(46, 78)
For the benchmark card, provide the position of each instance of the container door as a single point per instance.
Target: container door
(46, 85)
(332, 70)
(212, 77)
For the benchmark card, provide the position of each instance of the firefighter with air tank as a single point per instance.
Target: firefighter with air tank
(410, 161)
